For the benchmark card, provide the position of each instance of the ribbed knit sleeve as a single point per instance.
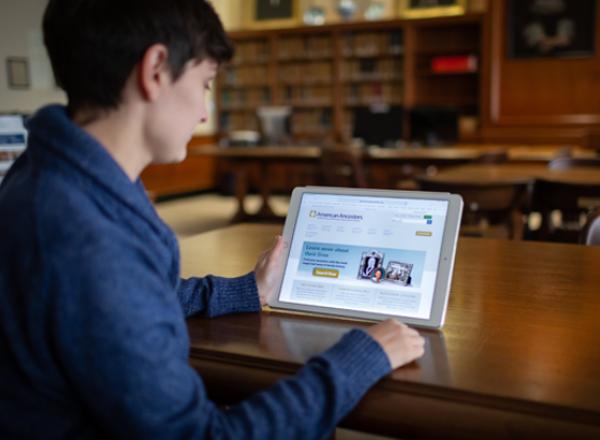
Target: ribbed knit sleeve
(360, 360)
(310, 404)
(214, 296)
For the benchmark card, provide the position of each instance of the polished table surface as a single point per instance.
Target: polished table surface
(272, 152)
(519, 353)
(457, 152)
(313, 152)
(516, 173)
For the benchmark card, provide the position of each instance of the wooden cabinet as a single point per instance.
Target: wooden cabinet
(542, 99)
(195, 173)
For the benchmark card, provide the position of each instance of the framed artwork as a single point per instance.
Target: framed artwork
(369, 263)
(551, 28)
(17, 72)
(316, 12)
(430, 8)
(269, 14)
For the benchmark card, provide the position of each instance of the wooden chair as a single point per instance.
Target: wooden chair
(493, 157)
(572, 200)
(490, 209)
(565, 163)
(342, 168)
(590, 234)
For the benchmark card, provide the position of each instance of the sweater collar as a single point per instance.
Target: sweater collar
(53, 130)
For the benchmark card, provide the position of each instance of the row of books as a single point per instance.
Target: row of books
(372, 69)
(251, 51)
(362, 44)
(238, 121)
(313, 122)
(307, 95)
(234, 99)
(306, 72)
(455, 64)
(367, 94)
(245, 75)
(304, 47)
(303, 123)
(359, 44)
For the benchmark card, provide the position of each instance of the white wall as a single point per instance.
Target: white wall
(20, 36)
(230, 12)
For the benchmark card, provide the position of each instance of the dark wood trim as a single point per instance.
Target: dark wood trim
(363, 25)
(195, 173)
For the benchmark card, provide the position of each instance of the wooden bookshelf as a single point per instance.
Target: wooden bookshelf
(325, 72)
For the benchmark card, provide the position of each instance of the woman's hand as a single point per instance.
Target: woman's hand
(269, 270)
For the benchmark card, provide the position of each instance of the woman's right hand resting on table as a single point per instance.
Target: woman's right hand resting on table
(401, 343)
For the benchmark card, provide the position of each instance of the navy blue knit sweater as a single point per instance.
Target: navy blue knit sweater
(93, 340)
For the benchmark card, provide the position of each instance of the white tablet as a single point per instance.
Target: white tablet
(370, 254)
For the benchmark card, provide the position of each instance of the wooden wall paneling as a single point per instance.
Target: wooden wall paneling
(538, 135)
(193, 174)
(547, 93)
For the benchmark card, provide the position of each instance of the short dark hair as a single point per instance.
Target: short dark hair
(94, 45)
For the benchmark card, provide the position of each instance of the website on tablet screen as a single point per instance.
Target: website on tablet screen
(373, 254)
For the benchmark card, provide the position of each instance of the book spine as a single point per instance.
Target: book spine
(454, 64)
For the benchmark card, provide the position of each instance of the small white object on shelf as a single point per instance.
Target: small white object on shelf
(347, 9)
(13, 135)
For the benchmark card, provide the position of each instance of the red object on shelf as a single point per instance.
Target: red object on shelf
(454, 64)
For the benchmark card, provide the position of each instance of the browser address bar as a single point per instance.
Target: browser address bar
(414, 221)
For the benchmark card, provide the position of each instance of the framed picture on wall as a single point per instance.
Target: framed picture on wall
(17, 73)
(551, 28)
(430, 8)
(269, 14)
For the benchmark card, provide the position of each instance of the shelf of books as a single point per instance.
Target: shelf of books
(327, 75)
(244, 85)
(447, 62)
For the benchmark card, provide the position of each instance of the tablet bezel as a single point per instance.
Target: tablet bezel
(445, 267)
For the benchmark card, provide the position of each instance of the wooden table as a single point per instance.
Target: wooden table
(517, 173)
(519, 355)
(448, 155)
(467, 179)
(243, 158)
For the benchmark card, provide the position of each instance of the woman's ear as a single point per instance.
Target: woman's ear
(154, 72)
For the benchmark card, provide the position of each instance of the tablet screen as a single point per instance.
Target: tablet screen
(365, 253)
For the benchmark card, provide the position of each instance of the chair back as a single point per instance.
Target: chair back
(342, 168)
(590, 234)
(565, 163)
(494, 156)
(572, 200)
(490, 203)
